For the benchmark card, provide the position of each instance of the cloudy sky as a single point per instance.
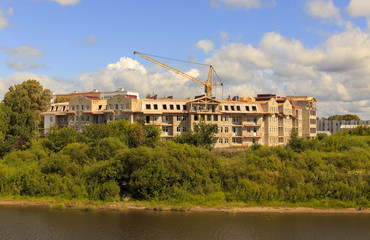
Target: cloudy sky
(318, 48)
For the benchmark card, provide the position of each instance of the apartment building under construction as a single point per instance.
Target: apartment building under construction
(266, 119)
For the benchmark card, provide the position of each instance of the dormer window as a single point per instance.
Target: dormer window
(171, 106)
(247, 108)
(147, 106)
(164, 107)
(226, 108)
(254, 108)
(155, 107)
(238, 108)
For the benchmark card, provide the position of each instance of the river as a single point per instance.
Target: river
(28, 223)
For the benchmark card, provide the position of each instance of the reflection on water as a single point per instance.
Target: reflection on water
(44, 223)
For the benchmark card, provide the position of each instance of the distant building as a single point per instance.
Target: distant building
(96, 93)
(266, 119)
(335, 126)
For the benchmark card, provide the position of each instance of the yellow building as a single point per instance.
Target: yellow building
(265, 120)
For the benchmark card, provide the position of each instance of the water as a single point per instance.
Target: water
(44, 223)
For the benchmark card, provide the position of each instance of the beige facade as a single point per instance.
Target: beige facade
(265, 120)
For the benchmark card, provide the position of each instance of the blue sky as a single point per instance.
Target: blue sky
(319, 48)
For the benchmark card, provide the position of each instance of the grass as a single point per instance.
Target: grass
(229, 207)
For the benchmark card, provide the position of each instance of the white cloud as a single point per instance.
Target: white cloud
(322, 9)
(336, 71)
(4, 18)
(246, 4)
(22, 65)
(205, 45)
(90, 40)
(66, 2)
(359, 8)
(24, 52)
(47, 82)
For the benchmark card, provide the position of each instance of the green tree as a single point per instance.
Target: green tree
(202, 136)
(23, 104)
(346, 117)
(59, 138)
(295, 142)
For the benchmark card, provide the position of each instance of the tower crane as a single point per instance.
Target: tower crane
(208, 84)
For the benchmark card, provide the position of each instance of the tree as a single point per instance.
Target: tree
(295, 142)
(62, 99)
(202, 136)
(346, 117)
(23, 104)
(59, 138)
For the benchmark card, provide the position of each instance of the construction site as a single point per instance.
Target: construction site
(265, 119)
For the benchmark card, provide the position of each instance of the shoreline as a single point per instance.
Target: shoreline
(124, 206)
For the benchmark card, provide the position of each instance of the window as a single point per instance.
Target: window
(238, 108)
(155, 118)
(221, 129)
(226, 141)
(226, 108)
(178, 118)
(254, 108)
(76, 118)
(232, 108)
(111, 118)
(184, 107)
(82, 118)
(196, 118)
(155, 106)
(184, 129)
(51, 119)
(247, 108)
(226, 129)
(147, 119)
(127, 106)
(171, 106)
(165, 119)
(209, 118)
(178, 129)
(184, 118)
(165, 129)
(77, 108)
(87, 107)
(121, 107)
(116, 106)
(235, 120)
(178, 107)
(164, 107)
(73, 107)
(220, 140)
(87, 119)
(226, 118)
(147, 106)
(215, 118)
(82, 107)
(110, 107)
(100, 106)
(72, 119)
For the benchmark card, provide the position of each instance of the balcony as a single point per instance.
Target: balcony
(251, 124)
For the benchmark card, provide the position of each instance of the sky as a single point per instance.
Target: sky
(318, 48)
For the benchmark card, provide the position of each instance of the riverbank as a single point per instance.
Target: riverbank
(122, 206)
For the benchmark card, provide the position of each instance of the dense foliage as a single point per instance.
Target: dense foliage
(346, 117)
(104, 163)
(20, 114)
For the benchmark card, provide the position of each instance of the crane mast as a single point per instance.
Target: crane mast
(208, 85)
